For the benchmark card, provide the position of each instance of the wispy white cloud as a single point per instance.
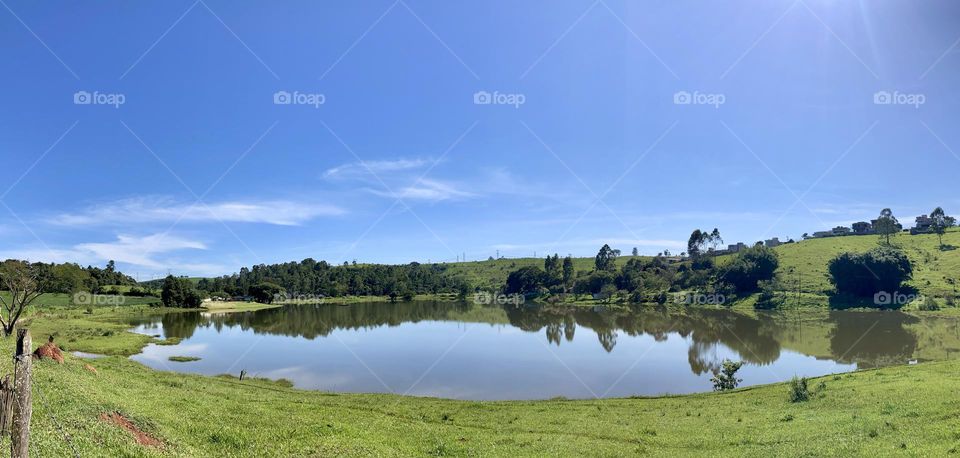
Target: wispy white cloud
(156, 209)
(139, 251)
(365, 168)
(399, 179)
(426, 190)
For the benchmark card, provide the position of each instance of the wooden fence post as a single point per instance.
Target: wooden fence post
(23, 404)
(6, 405)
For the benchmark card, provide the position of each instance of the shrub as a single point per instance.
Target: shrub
(769, 297)
(749, 267)
(265, 292)
(799, 392)
(865, 274)
(179, 292)
(929, 304)
(726, 378)
(525, 280)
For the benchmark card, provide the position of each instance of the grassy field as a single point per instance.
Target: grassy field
(910, 410)
(492, 274)
(803, 266)
(898, 410)
(935, 272)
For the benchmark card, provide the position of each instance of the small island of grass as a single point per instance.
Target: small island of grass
(183, 359)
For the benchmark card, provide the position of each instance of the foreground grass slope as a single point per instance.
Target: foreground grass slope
(904, 410)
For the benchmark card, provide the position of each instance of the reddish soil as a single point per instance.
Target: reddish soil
(121, 421)
(49, 350)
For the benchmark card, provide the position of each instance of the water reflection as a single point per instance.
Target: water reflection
(407, 336)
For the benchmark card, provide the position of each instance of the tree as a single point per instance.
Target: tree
(606, 258)
(715, 238)
(265, 292)
(524, 280)
(751, 266)
(22, 281)
(886, 225)
(879, 270)
(939, 223)
(698, 239)
(552, 267)
(568, 271)
(607, 291)
(179, 292)
(635, 251)
(726, 378)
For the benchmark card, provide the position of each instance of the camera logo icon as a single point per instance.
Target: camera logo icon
(83, 298)
(482, 98)
(882, 298)
(882, 98)
(282, 98)
(682, 98)
(82, 98)
(483, 298)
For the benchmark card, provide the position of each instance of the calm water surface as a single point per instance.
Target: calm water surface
(466, 351)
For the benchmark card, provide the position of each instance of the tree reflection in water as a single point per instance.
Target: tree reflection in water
(868, 339)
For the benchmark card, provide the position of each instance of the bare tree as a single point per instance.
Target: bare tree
(23, 284)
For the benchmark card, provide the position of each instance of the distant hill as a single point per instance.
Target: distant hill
(803, 265)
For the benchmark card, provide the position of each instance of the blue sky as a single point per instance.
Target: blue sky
(200, 171)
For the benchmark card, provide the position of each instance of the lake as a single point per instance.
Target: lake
(465, 351)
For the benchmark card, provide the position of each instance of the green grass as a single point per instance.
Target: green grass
(492, 274)
(183, 359)
(935, 272)
(902, 410)
(227, 306)
(905, 409)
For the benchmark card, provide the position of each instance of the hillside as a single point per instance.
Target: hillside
(492, 274)
(935, 272)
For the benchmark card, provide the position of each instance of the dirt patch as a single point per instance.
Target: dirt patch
(121, 421)
(49, 350)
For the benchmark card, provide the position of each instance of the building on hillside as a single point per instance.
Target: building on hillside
(772, 243)
(835, 232)
(735, 248)
(922, 226)
(863, 228)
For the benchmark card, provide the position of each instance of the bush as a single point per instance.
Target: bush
(525, 280)
(929, 304)
(751, 266)
(865, 274)
(769, 298)
(726, 378)
(179, 292)
(799, 392)
(265, 292)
